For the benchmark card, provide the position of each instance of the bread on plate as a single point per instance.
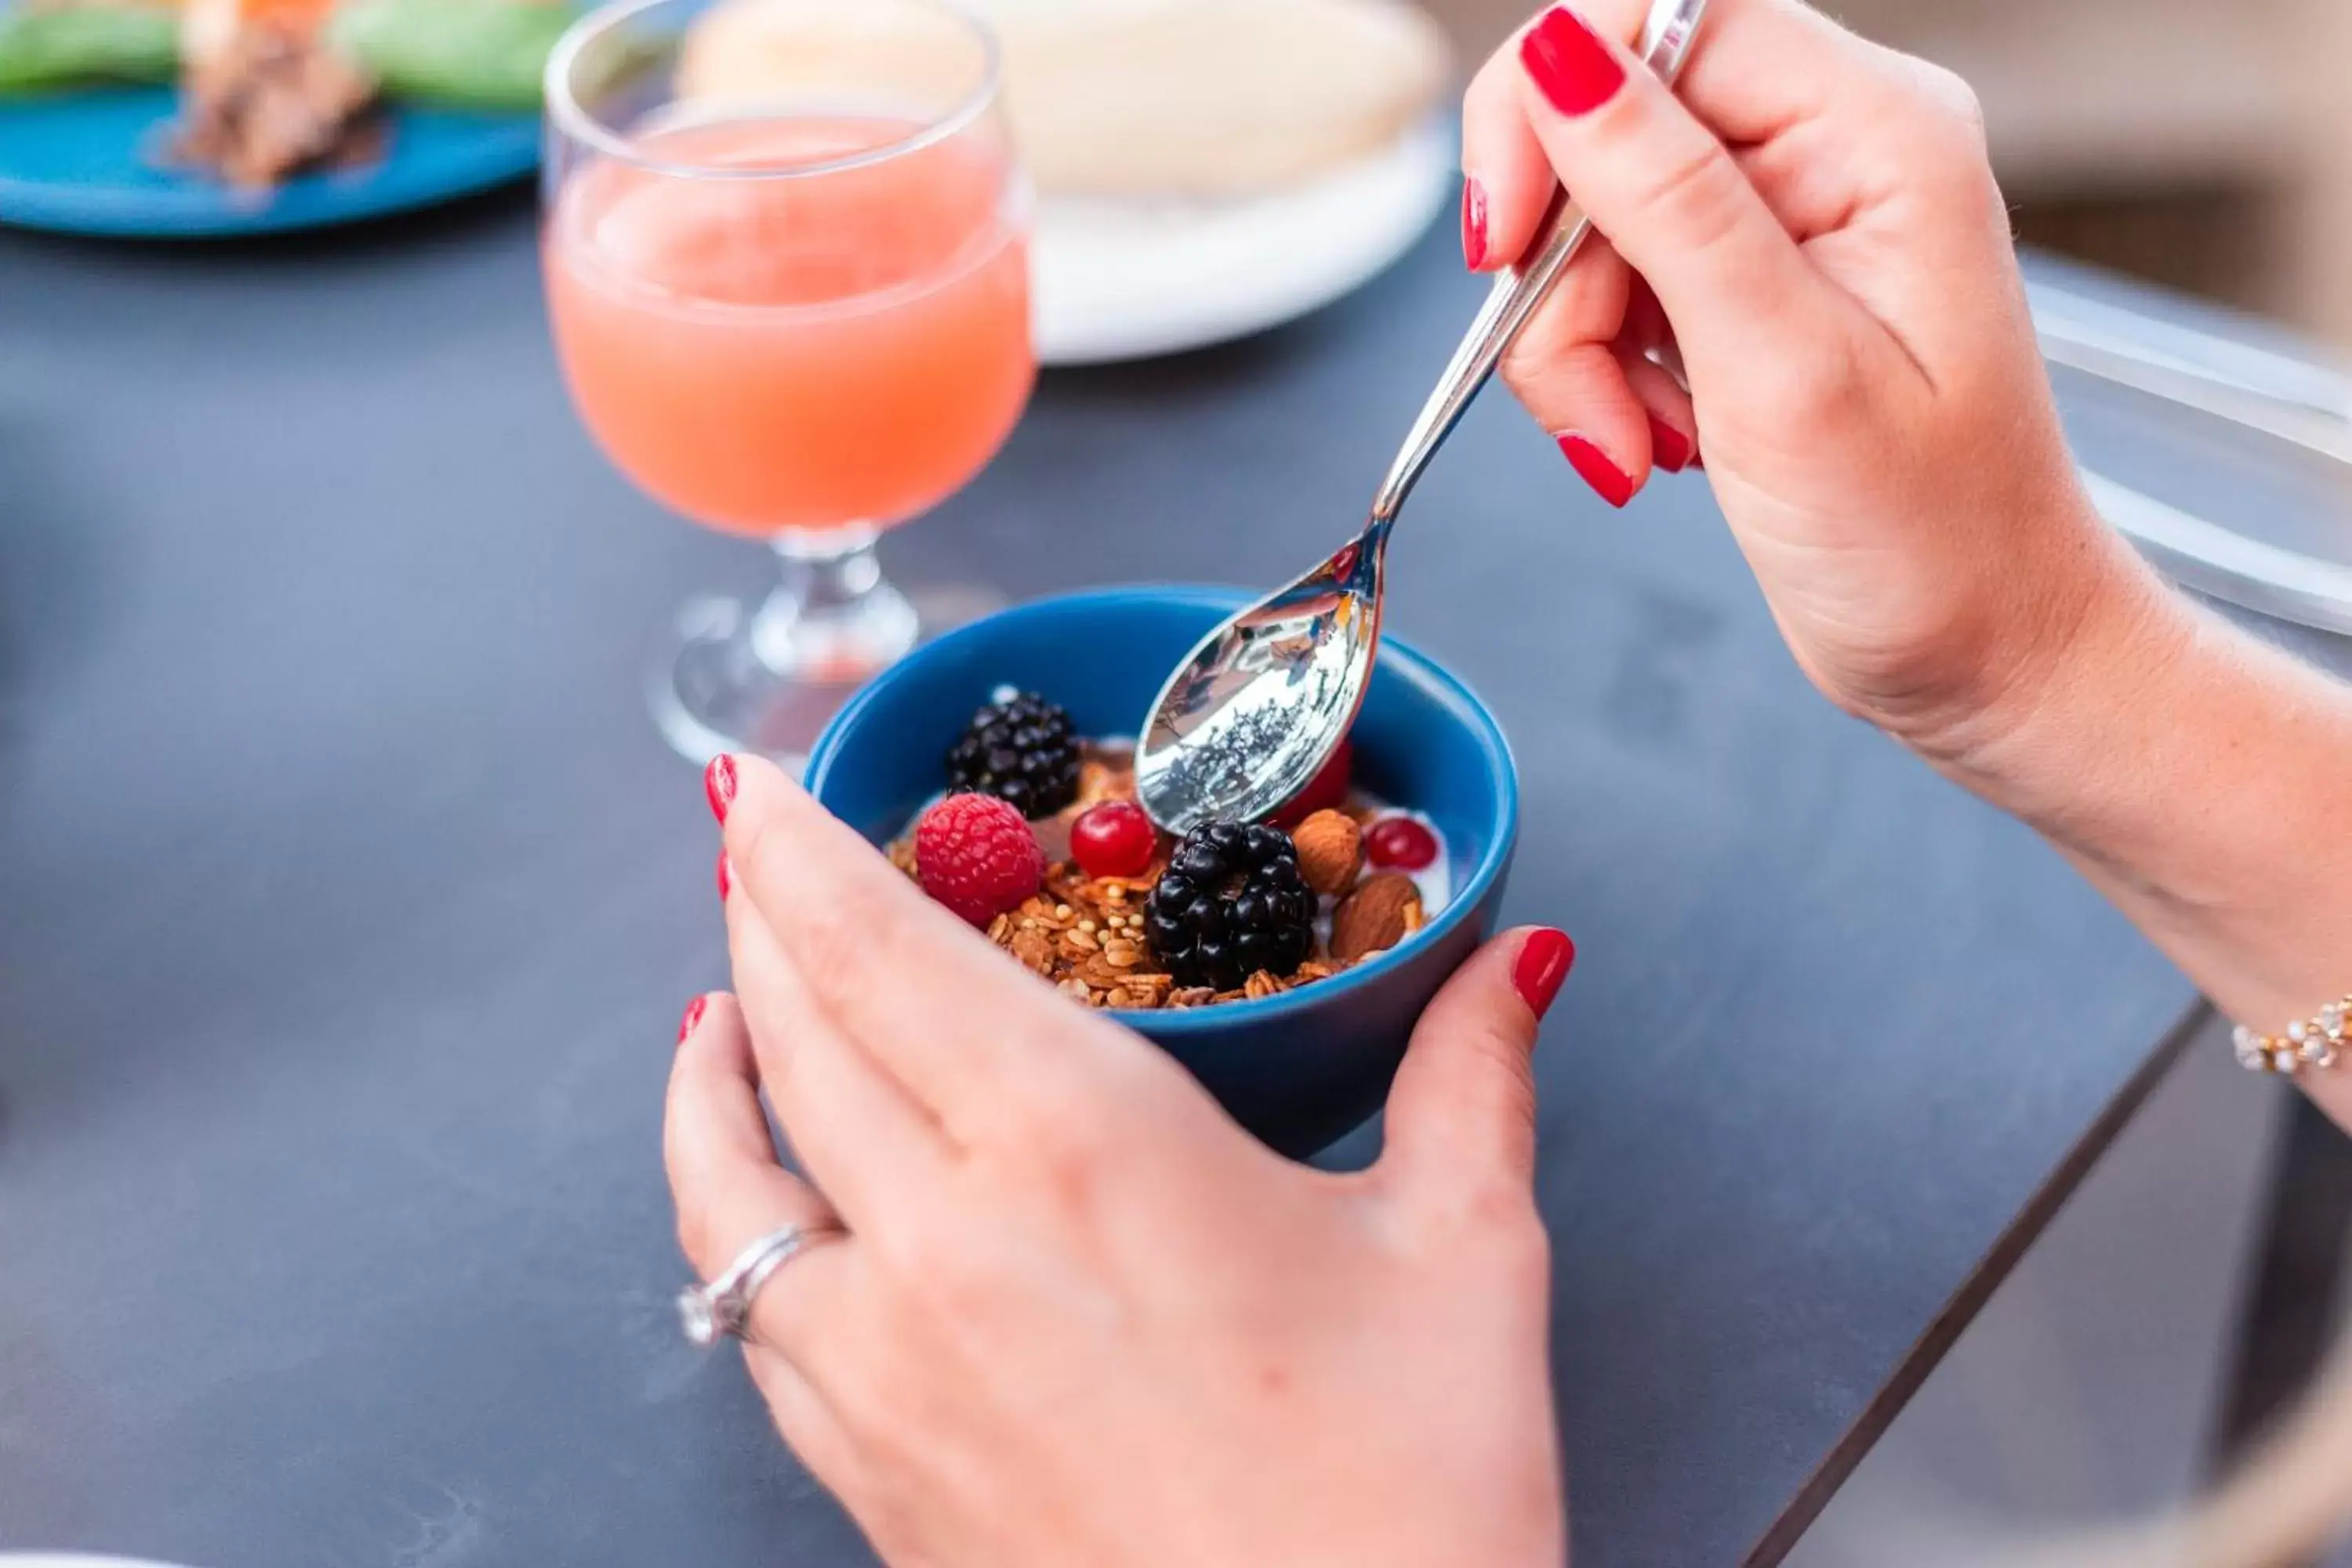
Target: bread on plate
(1124, 97)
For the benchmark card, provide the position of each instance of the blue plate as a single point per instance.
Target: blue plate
(1300, 1068)
(96, 162)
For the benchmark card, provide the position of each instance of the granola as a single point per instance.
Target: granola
(1084, 934)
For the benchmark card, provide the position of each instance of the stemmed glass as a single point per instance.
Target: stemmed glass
(799, 314)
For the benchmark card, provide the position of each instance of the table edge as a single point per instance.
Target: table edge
(1944, 1329)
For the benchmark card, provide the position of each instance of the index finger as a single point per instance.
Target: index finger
(1758, 70)
(969, 1033)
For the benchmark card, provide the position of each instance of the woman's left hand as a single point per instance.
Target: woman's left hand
(1081, 1318)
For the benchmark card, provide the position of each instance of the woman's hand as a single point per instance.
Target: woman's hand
(1813, 228)
(1080, 1318)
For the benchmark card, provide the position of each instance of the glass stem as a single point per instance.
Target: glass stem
(834, 617)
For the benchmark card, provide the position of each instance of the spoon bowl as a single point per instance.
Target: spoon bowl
(1226, 732)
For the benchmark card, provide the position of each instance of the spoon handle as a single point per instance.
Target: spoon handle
(1520, 289)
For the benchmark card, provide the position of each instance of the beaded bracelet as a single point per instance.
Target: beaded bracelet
(2308, 1043)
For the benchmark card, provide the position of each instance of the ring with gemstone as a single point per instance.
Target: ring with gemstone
(722, 1308)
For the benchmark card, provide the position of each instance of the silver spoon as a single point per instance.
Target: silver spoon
(1261, 704)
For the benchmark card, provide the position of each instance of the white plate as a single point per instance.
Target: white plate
(1129, 280)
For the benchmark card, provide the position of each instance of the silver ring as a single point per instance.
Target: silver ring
(722, 1308)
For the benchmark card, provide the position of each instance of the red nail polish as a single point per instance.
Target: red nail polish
(1608, 481)
(1473, 223)
(1569, 64)
(718, 784)
(1698, 458)
(1673, 449)
(1543, 964)
(694, 1013)
(726, 877)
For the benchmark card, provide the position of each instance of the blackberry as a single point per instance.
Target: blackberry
(1020, 750)
(1232, 902)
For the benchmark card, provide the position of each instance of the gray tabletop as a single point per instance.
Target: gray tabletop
(348, 902)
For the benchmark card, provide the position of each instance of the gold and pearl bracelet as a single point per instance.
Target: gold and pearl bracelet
(2309, 1043)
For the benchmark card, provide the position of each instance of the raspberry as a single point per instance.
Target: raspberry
(1401, 844)
(1020, 748)
(1325, 791)
(1232, 902)
(1114, 838)
(975, 854)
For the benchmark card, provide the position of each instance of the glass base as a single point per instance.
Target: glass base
(768, 678)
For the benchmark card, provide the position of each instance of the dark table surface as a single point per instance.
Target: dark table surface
(348, 902)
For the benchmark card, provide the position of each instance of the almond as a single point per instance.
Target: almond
(1375, 917)
(1330, 851)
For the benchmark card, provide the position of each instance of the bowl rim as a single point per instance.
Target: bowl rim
(1470, 709)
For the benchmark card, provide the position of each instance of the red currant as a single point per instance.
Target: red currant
(1401, 844)
(1114, 839)
(1325, 791)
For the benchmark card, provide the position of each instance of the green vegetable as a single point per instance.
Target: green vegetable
(467, 54)
(44, 48)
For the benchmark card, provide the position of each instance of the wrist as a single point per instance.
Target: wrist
(2194, 773)
(2097, 634)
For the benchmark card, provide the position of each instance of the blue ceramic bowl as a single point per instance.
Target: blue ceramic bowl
(1300, 1068)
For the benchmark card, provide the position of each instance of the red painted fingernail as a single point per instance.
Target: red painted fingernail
(726, 877)
(1543, 964)
(1608, 481)
(1673, 450)
(1698, 458)
(1473, 223)
(1569, 64)
(694, 1013)
(718, 784)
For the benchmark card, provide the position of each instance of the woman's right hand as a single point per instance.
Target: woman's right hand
(1814, 227)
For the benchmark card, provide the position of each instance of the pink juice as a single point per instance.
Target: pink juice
(838, 348)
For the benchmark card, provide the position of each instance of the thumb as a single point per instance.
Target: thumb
(1464, 1106)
